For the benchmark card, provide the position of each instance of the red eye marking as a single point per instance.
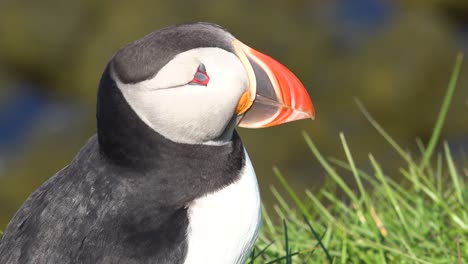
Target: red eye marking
(201, 76)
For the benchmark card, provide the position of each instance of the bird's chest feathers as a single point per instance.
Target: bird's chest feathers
(223, 225)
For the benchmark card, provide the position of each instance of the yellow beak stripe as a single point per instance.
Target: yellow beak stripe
(244, 103)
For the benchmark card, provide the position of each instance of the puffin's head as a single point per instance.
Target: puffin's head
(194, 83)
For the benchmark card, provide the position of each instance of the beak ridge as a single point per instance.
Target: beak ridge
(280, 96)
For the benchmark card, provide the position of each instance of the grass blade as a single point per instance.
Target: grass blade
(382, 132)
(291, 192)
(286, 243)
(454, 175)
(388, 191)
(443, 112)
(319, 239)
(331, 172)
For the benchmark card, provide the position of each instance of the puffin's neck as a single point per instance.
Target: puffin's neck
(126, 140)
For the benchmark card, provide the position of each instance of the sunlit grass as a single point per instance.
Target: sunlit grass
(422, 218)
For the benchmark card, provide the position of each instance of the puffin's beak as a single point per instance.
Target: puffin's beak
(276, 96)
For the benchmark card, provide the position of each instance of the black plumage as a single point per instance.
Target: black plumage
(96, 211)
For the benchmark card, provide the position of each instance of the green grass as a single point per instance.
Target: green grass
(421, 218)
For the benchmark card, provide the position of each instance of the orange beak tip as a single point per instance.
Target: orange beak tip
(279, 96)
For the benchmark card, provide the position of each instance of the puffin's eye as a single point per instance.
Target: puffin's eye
(201, 76)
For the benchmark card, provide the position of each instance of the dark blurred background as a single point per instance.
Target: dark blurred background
(396, 56)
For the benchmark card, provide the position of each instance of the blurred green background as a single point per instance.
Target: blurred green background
(396, 56)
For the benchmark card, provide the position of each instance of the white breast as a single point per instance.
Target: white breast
(224, 225)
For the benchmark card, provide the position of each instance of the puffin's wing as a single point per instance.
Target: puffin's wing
(83, 214)
(53, 221)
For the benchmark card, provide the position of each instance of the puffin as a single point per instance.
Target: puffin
(166, 179)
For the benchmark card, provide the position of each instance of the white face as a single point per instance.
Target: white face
(190, 113)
